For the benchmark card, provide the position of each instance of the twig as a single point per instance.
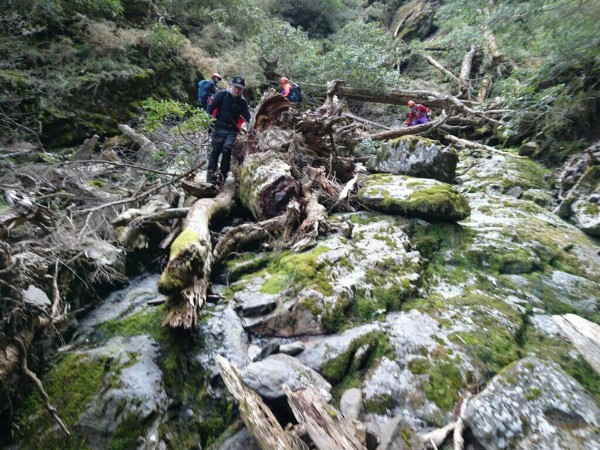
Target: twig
(33, 377)
(459, 442)
(143, 194)
(118, 164)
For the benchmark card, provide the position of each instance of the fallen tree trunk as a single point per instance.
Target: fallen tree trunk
(266, 184)
(145, 144)
(191, 248)
(465, 72)
(257, 416)
(325, 425)
(405, 131)
(441, 68)
(471, 144)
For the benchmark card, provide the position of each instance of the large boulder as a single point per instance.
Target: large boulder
(413, 19)
(415, 197)
(417, 157)
(534, 405)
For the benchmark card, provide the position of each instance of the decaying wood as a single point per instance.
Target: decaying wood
(87, 149)
(145, 144)
(471, 144)
(484, 88)
(139, 216)
(325, 425)
(441, 68)
(199, 190)
(257, 416)
(363, 120)
(437, 437)
(465, 72)
(584, 335)
(459, 442)
(405, 131)
(187, 273)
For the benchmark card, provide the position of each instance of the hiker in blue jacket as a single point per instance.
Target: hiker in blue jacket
(230, 110)
(207, 89)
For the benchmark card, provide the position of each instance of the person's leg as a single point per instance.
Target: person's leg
(229, 140)
(420, 120)
(218, 139)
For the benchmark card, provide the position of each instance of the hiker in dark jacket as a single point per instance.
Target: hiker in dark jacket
(207, 89)
(229, 109)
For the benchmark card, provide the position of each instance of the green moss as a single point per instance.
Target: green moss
(71, 383)
(128, 433)
(444, 385)
(533, 394)
(142, 322)
(379, 404)
(343, 371)
(186, 238)
(97, 183)
(364, 218)
(298, 270)
(419, 366)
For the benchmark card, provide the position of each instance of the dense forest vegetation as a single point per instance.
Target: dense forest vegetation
(73, 68)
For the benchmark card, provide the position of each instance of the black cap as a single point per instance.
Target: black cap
(238, 81)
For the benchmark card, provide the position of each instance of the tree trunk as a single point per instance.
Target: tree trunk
(190, 252)
(266, 184)
(405, 131)
(465, 72)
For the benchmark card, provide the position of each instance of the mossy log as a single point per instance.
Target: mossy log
(191, 250)
(266, 184)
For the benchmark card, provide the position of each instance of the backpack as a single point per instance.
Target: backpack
(295, 93)
(205, 88)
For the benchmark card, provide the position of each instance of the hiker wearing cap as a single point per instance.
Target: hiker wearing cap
(417, 114)
(207, 89)
(229, 109)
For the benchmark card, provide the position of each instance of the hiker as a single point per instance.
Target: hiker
(229, 109)
(207, 89)
(417, 114)
(290, 90)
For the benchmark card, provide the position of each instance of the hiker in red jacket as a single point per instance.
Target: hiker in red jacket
(417, 114)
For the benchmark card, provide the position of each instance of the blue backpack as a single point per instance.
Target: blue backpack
(206, 89)
(296, 93)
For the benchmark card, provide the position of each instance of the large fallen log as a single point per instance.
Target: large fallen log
(405, 131)
(257, 416)
(471, 144)
(266, 184)
(465, 72)
(324, 424)
(187, 274)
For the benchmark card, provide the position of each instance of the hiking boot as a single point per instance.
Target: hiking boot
(211, 177)
(219, 180)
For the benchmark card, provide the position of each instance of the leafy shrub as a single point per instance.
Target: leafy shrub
(181, 116)
(165, 39)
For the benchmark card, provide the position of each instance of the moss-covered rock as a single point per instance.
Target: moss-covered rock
(413, 197)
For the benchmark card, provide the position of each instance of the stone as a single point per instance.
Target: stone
(528, 148)
(400, 435)
(539, 197)
(515, 191)
(258, 305)
(34, 296)
(534, 404)
(586, 216)
(268, 376)
(242, 440)
(417, 157)
(292, 349)
(351, 404)
(413, 197)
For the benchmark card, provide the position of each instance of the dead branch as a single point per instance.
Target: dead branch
(145, 144)
(471, 144)
(360, 119)
(324, 424)
(584, 335)
(437, 437)
(441, 68)
(465, 72)
(118, 164)
(33, 377)
(459, 442)
(405, 131)
(257, 416)
(157, 216)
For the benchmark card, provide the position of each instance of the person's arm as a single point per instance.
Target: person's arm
(215, 103)
(286, 90)
(410, 117)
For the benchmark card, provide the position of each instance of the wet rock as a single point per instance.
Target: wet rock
(268, 376)
(586, 216)
(515, 191)
(417, 157)
(539, 197)
(35, 297)
(351, 404)
(413, 20)
(242, 440)
(529, 148)
(293, 348)
(400, 435)
(269, 349)
(223, 335)
(257, 305)
(534, 404)
(415, 197)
